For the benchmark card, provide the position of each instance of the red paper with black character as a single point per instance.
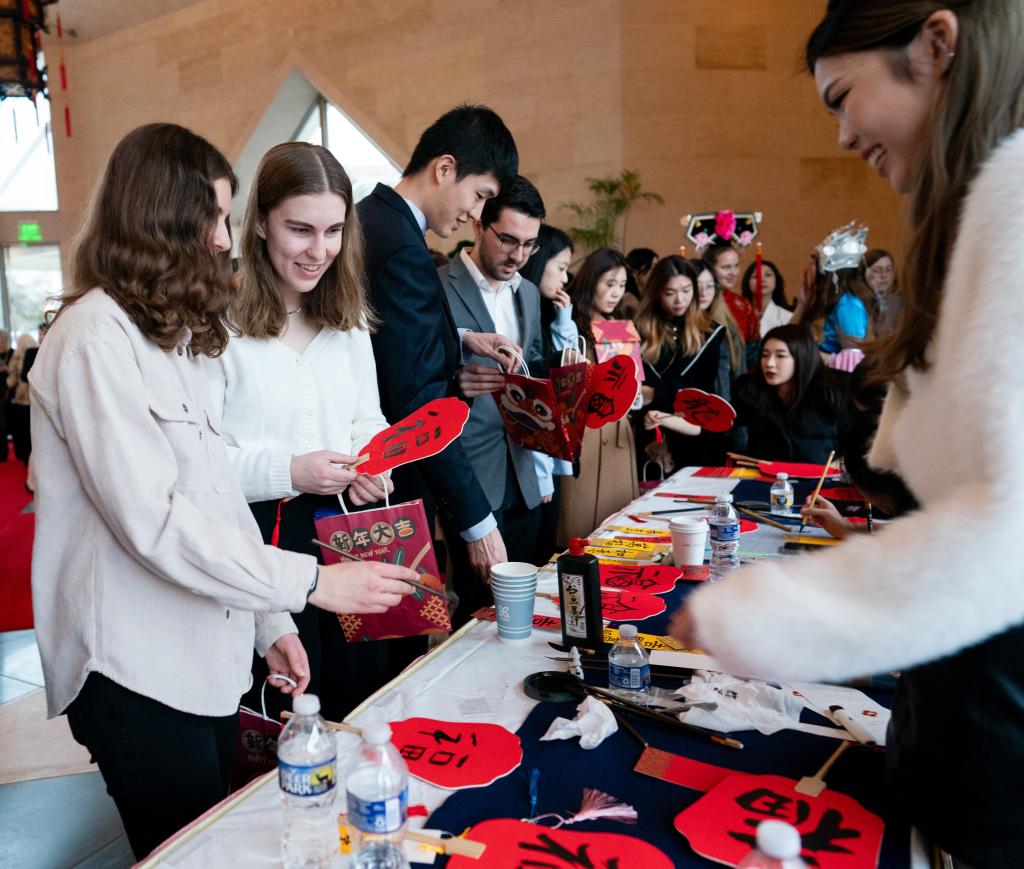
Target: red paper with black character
(550, 415)
(836, 831)
(424, 432)
(398, 534)
(630, 606)
(456, 754)
(617, 338)
(651, 578)
(513, 844)
(711, 412)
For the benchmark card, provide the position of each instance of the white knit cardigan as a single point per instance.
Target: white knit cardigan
(949, 575)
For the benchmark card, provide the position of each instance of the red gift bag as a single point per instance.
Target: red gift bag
(398, 534)
(256, 743)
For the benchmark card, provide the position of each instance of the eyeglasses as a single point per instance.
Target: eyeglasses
(509, 243)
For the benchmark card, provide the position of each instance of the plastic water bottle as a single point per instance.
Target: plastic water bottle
(377, 791)
(629, 673)
(782, 495)
(778, 847)
(724, 527)
(306, 772)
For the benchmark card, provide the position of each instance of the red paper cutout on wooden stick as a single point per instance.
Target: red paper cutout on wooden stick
(630, 606)
(837, 831)
(650, 578)
(806, 470)
(711, 412)
(613, 388)
(456, 754)
(514, 844)
(424, 432)
(747, 525)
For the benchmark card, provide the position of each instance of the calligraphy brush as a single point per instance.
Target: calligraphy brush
(673, 512)
(757, 517)
(421, 586)
(821, 482)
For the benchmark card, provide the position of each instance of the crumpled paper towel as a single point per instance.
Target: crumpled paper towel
(593, 724)
(743, 704)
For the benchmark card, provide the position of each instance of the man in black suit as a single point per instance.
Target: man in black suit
(461, 161)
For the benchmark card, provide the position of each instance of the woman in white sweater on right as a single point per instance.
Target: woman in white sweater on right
(931, 94)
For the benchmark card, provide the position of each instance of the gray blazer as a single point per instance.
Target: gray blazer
(484, 438)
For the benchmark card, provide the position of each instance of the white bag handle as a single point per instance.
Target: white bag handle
(516, 357)
(570, 354)
(263, 691)
(383, 485)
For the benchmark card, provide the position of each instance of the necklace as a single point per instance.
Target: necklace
(296, 311)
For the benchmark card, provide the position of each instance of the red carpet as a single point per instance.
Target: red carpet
(16, 529)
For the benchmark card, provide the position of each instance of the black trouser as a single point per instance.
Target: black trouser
(519, 526)
(341, 674)
(163, 768)
(21, 432)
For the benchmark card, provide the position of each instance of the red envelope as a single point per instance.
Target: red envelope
(398, 534)
(615, 338)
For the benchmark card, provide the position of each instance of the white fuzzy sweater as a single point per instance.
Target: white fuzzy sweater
(950, 575)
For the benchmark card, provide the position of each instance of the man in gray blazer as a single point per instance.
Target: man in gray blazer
(486, 293)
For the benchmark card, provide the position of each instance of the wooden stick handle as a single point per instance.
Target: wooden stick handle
(337, 550)
(828, 763)
(821, 482)
(334, 725)
(759, 517)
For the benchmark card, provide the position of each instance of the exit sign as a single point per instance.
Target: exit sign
(29, 232)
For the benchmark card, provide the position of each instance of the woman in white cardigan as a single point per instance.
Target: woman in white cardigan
(930, 94)
(150, 585)
(296, 389)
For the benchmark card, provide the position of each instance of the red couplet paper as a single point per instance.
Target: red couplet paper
(710, 412)
(424, 432)
(514, 844)
(796, 469)
(747, 525)
(650, 578)
(613, 388)
(456, 754)
(630, 606)
(842, 493)
(837, 832)
(617, 337)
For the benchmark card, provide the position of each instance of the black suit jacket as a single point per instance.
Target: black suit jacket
(417, 351)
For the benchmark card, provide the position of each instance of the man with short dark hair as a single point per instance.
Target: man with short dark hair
(486, 292)
(460, 162)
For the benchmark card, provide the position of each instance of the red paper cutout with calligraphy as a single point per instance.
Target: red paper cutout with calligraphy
(424, 432)
(796, 469)
(456, 754)
(837, 831)
(630, 606)
(613, 388)
(747, 525)
(617, 338)
(711, 412)
(514, 844)
(649, 578)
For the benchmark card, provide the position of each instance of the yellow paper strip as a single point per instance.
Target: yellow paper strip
(623, 543)
(609, 552)
(643, 532)
(651, 642)
(811, 541)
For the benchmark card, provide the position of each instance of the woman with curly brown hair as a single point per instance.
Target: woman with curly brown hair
(150, 583)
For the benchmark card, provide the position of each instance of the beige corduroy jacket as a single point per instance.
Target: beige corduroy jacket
(147, 565)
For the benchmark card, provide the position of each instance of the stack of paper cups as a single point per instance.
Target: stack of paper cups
(514, 586)
(688, 540)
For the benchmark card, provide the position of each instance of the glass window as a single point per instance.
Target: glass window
(28, 181)
(32, 276)
(365, 163)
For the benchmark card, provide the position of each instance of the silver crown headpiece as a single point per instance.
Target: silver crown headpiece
(843, 247)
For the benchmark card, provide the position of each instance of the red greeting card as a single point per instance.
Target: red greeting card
(837, 832)
(617, 338)
(399, 535)
(711, 412)
(456, 754)
(515, 844)
(424, 432)
(652, 578)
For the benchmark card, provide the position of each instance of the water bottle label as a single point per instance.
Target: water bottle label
(782, 500)
(630, 678)
(378, 816)
(306, 781)
(725, 532)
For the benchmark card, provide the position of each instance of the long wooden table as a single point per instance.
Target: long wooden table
(472, 676)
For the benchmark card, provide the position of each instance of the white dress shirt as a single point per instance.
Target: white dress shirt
(274, 403)
(500, 302)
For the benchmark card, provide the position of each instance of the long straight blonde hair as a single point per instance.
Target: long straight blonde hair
(982, 103)
(339, 299)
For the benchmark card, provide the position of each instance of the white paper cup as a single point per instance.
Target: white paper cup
(689, 537)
